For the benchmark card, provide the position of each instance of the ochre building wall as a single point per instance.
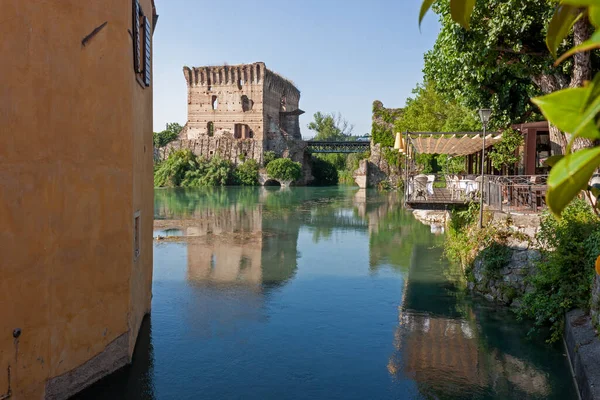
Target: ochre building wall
(75, 166)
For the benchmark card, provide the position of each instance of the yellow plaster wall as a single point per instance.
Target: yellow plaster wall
(75, 164)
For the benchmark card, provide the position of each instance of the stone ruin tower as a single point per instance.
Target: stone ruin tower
(241, 111)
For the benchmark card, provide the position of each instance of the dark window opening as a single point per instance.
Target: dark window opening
(247, 104)
(215, 103)
(210, 129)
(136, 235)
(239, 83)
(237, 131)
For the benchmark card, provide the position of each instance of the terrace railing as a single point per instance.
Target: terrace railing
(524, 194)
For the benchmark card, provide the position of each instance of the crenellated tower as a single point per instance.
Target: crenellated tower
(240, 110)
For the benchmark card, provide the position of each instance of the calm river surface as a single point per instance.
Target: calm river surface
(319, 293)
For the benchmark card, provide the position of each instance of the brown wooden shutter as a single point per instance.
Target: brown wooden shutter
(136, 36)
(147, 51)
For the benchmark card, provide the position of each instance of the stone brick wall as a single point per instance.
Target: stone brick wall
(225, 146)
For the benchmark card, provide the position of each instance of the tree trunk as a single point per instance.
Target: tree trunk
(549, 83)
(582, 71)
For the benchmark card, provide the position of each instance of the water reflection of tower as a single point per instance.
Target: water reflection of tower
(242, 246)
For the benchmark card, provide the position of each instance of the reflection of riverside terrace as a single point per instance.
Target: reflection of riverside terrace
(241, 111)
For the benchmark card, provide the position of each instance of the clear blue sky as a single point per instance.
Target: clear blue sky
(342, 55)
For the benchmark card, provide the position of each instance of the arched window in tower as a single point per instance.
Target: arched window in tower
(215, 102)
(210, 129)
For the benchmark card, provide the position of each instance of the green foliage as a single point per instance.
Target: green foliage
(173, 170)
(504, 154)
(392, 157)
(269, 156)
(494, 257)
(429, 111)
(325, 173)
(284, 169)
(345, 177)
(426, 163)
(163, 138)
(330, 127)
(215, 172)
(498, 62)
(246, 174)
(565, 273)
(184, 169)
(382, 130)
(450, 165)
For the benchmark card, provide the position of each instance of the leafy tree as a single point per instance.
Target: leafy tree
(325, 173)
(246, 174)
(163, 138)
(504, 153)
(429, 111)
(284, 169)
(331, 127)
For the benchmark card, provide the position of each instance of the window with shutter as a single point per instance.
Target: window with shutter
(147, 51)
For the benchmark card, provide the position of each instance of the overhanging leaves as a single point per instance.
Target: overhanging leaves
(560, 26)
(567, 109)
(424, 8)
(461, 11)
(570, 176)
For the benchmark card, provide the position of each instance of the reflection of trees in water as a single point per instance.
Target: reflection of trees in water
(180, 202)
(444, 344)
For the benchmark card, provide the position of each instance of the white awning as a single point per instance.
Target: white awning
(453, 144)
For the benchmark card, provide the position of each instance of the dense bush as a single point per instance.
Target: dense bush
(269, 156)
(325, 172)
(246, 174)
(183, 168)
(570, 246)
(284, 169)
(172, 171)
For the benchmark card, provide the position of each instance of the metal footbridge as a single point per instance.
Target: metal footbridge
(324, 147)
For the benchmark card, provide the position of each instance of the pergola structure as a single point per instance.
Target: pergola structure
(454, 144)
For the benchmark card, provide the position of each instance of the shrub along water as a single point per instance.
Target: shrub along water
(184, 169)
(570, 246)
(284, 169)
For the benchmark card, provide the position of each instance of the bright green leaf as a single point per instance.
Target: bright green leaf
(570, 176)
(461, 11)
(567, 110)
(590, 44)
(560, 26)
(424, 8)
(551, 161)
(594, 13)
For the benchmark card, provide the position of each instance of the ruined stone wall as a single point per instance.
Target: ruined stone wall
(225, 96)
(280, 98)
(228, 148)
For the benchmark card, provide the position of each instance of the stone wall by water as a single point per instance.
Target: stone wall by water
(508, 284)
